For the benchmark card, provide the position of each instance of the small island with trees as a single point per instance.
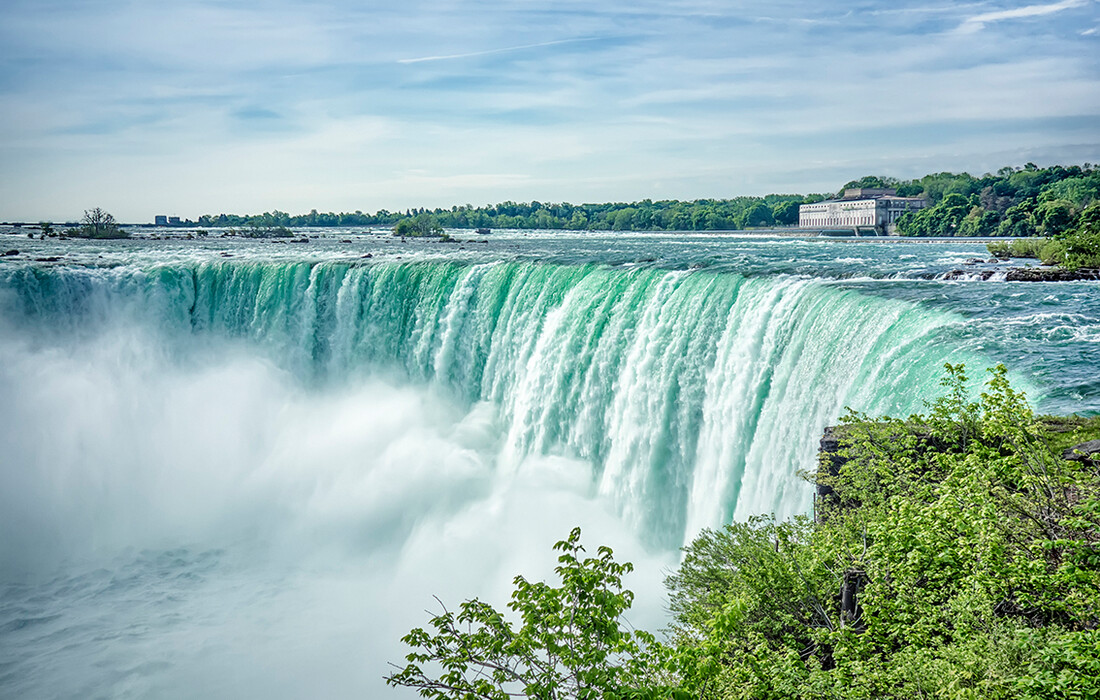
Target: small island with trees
(96, 223)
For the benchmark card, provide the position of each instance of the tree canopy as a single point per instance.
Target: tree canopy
(1015, 202)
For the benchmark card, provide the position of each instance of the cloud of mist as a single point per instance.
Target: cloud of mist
(200, 522)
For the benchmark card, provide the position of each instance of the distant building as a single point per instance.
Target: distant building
(160, 220)
(173, 221)
(877, 208)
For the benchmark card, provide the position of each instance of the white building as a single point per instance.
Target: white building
(859, 208)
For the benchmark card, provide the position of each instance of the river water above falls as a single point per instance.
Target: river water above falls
(240, 468)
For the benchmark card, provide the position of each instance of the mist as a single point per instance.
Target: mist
(293, 532)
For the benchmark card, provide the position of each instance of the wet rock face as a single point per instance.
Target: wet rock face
(968, 275)
(1085, 452)
(1026, 274)
(1051, 274)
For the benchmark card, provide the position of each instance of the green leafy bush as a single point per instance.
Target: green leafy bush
(570, 641)
(1018, 248)
(958, 556)
(419, 225)
(1082, 244)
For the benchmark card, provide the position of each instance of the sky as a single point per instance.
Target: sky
(198, 107)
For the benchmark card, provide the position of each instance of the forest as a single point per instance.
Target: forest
(1013, 202)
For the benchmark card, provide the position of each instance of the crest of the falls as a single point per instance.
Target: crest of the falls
(694, 397)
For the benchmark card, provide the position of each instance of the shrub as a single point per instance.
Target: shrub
(420, 225)
(1082, 244)
(570, 642)
(1019, 248)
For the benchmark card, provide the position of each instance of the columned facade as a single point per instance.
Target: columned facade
(859, 208)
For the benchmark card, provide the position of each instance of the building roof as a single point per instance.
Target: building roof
(892, 196)
(868, 192)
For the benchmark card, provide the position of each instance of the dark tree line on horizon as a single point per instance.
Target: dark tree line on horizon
(646, 215)
(1014, 201)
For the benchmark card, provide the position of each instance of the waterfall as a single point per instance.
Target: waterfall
(695, 397)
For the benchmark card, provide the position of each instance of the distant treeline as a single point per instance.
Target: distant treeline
(1016, 201)
(646, 215)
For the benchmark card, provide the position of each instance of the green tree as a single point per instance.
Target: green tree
(958, 555)
(570, 641)
(1019, 221)
(97, 223)
(1080, 191)
(1054, 216)
(870, 181)
(944, 218)
(786, 213)
(423, 224)
(579, 221)
(622, 220)
(979, 222)
(758, 214)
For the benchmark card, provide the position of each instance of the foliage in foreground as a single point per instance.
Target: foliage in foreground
(570, 641)
(968, 551)
(958, 556)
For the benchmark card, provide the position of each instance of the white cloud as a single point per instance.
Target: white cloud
(489, 52)
(978, 22)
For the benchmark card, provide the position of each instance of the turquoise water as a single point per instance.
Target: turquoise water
(241, 468)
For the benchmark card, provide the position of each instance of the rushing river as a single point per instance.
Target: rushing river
(238, 468)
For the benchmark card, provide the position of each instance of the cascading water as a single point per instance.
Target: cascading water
(239, 469)
(694, 397)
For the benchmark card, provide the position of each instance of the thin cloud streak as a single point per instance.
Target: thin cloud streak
(978, 22)
(489, 52)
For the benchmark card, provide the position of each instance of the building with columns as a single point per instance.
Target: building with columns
(877, 208)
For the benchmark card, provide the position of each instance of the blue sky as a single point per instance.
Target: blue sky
(208, 106)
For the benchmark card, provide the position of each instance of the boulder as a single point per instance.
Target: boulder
(1085, 452)
(1050, 274)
